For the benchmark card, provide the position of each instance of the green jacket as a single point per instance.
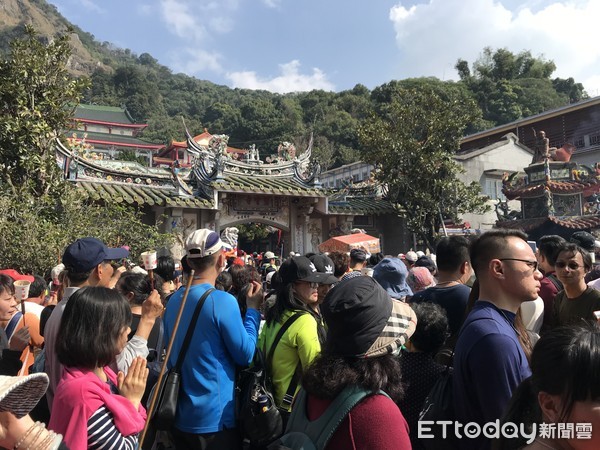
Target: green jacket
(299, 343)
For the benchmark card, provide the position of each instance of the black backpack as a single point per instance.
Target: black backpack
(261, 420)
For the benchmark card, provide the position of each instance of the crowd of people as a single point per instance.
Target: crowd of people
(513, 321)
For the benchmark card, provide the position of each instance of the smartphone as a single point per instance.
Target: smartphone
(533, 246)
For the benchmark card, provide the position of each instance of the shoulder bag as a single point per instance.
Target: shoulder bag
(166, 406)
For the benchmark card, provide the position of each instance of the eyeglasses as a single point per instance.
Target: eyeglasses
(312, 284)
(531, 264)
(571, 265)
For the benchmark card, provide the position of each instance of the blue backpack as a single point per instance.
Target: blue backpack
(303, 434)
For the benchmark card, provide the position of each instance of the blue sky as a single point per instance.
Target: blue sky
(299, 45)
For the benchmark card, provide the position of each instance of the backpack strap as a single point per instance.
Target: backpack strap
(322, 429)
(10, 328)
(555, 281)
(289, 394)
(190, 330)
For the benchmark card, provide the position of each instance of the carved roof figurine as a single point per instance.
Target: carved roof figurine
(543, 152)
(286, 151)
(542, 147)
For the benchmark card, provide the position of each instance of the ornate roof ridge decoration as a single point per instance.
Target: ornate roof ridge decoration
(585, 222)
(76, 167)
(556, 177)
(214, 164)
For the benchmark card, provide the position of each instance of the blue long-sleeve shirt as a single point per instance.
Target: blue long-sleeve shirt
(220, 342)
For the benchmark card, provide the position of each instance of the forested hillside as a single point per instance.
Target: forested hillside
(505, 86)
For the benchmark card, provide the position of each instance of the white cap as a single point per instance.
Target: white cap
(411, 256)
(206, 241)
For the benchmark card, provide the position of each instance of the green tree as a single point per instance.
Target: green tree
(38, 98)
(411, 141)
(509, 86)
(33, 240)
(40, 212)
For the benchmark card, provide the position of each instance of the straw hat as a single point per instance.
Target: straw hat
(19, 395)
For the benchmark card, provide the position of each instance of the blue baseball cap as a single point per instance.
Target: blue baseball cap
(84, 254)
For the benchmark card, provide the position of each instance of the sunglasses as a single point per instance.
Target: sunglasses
(571, 265)
(311, 283)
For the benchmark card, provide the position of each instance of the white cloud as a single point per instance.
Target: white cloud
(432, 36)
(290, 80)
(181, 21)
(195, 20)
(194, 61)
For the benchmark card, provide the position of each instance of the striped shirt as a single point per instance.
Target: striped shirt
(103, 434)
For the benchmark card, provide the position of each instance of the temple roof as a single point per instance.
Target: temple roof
(361, 206)
(140, 195)
(201, 140)
(264, 185)
(571, 223)
(107, 114)
(108, 139)
(557, 187)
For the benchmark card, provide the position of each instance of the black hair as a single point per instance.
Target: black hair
(200, 265)
(91, 326)
(38, 286)
(573, 249)
(6, 284)
(426, 261)
(224, 282)
(432, 327)
(139, 285)
(565, 362)
(76, 278)
(185, 267)
(165, 267)
(490, 245)
(375, 259)
(286, 300)
(549, 247)
(341, 263)
(451, 252)
(329, 374)
(247, 275)
(239, 276)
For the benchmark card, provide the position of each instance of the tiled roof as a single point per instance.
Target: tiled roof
(103, 114)
(572, 223)
(130, 141)
(140, 195)
(265, 185)
(361, 206)
(556, 187)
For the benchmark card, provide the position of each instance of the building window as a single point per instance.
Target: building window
(493, 189)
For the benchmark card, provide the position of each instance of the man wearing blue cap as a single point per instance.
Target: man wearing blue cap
(89, 262)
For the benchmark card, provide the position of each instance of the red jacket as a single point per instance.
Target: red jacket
(375, 423)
